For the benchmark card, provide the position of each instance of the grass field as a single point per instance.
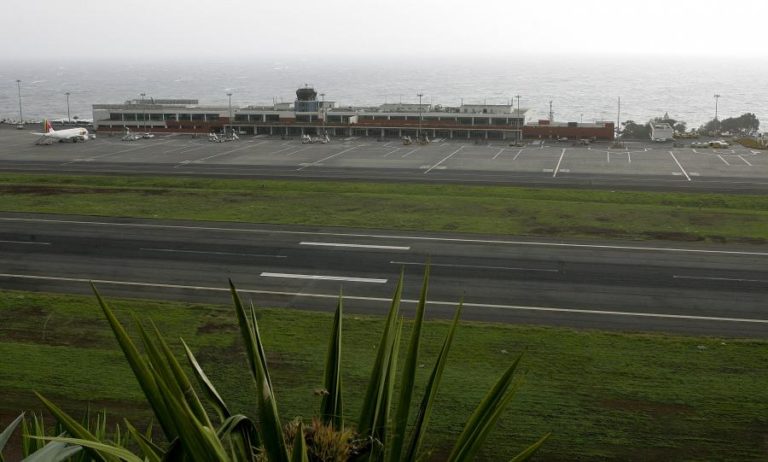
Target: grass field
(603, 395)
(473, 209)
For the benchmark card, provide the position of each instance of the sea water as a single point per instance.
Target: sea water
(579, 88)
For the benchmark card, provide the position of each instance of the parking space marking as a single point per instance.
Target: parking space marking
(554, 174)
(723, 159)
(197, 161)
(135, 148)
(443, 160)
(303, 166)
(391, 152)
(280, 150)
(679, 165)
(409, 153)
(192, 149)
(497, 154)
(517, 155)
(298, 150)
(745, 161)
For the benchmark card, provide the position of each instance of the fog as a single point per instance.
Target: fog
(44, 29)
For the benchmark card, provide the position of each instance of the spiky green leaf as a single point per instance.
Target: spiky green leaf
(531, 450)
(182, 380)
(331, 406)
(6, 434)
(96, 447)
(433, 384)
(408, 378)
(151, 451)
(299, 451)
(270, 428)
(141, 369)
(200, 442)
(54, 451)
(75, 429)
(370, 421)
(491, 405)
(210, 390)
(243, 434)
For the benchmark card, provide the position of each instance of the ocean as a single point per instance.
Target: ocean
(580, 88)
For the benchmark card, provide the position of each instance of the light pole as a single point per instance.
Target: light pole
(21, 115)
(69, 121)
(322, 108)
(418, 130)
(717, 97)
(144, 111)
(519, 122)
(229, 95)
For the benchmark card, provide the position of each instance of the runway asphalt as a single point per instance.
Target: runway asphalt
(607, 285)
(638, 165)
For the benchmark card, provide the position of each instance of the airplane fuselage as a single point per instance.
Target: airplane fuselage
(79, 134)
(70, 134)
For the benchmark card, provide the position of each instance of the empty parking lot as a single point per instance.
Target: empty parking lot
(649, 165)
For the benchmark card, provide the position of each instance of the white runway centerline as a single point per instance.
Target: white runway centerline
(355, 246)
(445, 265)
(713, 278)
(323, 278)
(204, 252)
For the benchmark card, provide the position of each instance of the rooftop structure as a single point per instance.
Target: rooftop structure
(310, 116)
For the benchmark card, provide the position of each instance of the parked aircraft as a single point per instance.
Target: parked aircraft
(128, 136)
(306, 139)
(71, 134)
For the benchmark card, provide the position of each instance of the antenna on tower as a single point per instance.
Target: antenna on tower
(551, 114)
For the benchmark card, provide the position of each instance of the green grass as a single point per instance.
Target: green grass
(603, 395)
(472, 209)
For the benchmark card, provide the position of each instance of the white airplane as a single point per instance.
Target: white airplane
(71, 134)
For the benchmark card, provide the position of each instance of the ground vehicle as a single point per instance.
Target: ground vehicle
(661, 132)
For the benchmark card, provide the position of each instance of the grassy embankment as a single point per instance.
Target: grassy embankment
(603, 395)
(623, 396)
(472, 209)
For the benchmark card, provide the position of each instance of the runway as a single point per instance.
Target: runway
(640, 165)
(615, 286)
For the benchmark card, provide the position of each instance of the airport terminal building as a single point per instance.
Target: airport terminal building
(310, 116)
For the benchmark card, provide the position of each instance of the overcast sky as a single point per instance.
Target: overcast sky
(42, 29)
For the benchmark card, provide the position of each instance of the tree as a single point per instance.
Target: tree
(634, 130)
(680, 127)
(746, 124)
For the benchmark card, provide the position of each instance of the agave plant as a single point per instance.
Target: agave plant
(384, 430)
(53, 451)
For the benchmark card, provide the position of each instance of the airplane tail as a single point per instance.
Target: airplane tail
(47, 127)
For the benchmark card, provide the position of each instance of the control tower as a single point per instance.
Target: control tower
(306, 100)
